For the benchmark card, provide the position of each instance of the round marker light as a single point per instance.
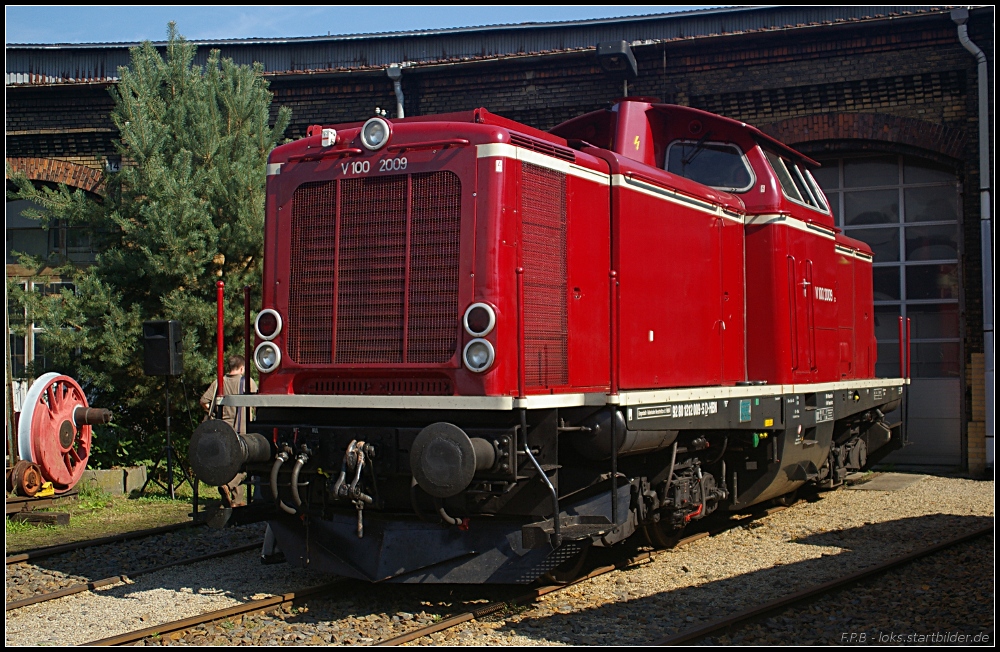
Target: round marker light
(268, 324)
(478, 355)
(267, 357)
(479, 319)
(375, 133)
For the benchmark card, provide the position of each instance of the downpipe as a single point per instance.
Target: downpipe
(961, 17)
(395, 73)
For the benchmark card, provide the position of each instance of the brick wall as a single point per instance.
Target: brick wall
(976, 383)
(71, 172)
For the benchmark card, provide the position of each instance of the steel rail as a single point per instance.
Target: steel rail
(238, 610)
(40, 553)
(116, 579)
(527, 598)
(816, 591)
(447, 623)
(492, 608)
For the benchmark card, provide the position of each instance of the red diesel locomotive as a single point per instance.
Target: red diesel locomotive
(484, 347)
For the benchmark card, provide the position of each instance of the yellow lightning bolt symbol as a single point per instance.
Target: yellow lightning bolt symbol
(636, 143)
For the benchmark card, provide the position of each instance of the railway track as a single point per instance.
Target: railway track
(116, 579)
(799, 597)
(274, 602)
(219, 614)
(49, 551)
(528, 597)
(353, 614)
(709, 629)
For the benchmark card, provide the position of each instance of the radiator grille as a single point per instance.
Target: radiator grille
(313, 273)
(372, 270)
(434, 241)
(543, 218)
(384, 268)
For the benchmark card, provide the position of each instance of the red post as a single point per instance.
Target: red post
(907, 348)
(221, 317)
(902, 350)
(246, 339)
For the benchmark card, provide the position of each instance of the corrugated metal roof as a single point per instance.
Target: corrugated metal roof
(98, 63)
(378, 35)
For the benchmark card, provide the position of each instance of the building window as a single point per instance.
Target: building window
(908, 211)
(18, 337)
(26, 341)
(57, 242)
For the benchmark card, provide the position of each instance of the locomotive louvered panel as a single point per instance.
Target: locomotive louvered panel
(543, 147)
(436, 213)
(313, 272)
(372, 270)
(543, 220)
(371, 387)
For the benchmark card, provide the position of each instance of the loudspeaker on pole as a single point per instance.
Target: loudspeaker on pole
(162, 348)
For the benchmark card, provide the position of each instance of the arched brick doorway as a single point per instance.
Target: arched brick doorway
(894, 183)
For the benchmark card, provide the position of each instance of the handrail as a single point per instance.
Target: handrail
(327, 153)
(429, 144)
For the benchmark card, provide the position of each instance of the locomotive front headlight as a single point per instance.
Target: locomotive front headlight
(267, 324)
(478, 355)
(375, 133)
(267, 357)
(479, 320)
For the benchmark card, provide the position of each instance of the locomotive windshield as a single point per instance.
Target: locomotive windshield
(719, 165)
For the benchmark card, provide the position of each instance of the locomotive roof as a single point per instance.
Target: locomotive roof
(762, 139)
(758, 135)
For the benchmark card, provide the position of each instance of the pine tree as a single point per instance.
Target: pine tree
(185, 210)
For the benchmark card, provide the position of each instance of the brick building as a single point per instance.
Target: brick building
(887, 98)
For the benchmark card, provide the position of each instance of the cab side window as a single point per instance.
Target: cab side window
(719, 165)
(797, 183)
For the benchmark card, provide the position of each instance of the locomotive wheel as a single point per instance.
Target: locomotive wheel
(660, 536)
(788, 499)
(47, 433)
(26, 479)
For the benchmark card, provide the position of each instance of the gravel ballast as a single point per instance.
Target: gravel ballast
(810, 543)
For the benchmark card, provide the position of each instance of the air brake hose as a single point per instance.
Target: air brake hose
(280, 459)
(300, 461)
(444, 515)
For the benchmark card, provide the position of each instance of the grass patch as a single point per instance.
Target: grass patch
(95, 513)
(91, 497)
(15, 528)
